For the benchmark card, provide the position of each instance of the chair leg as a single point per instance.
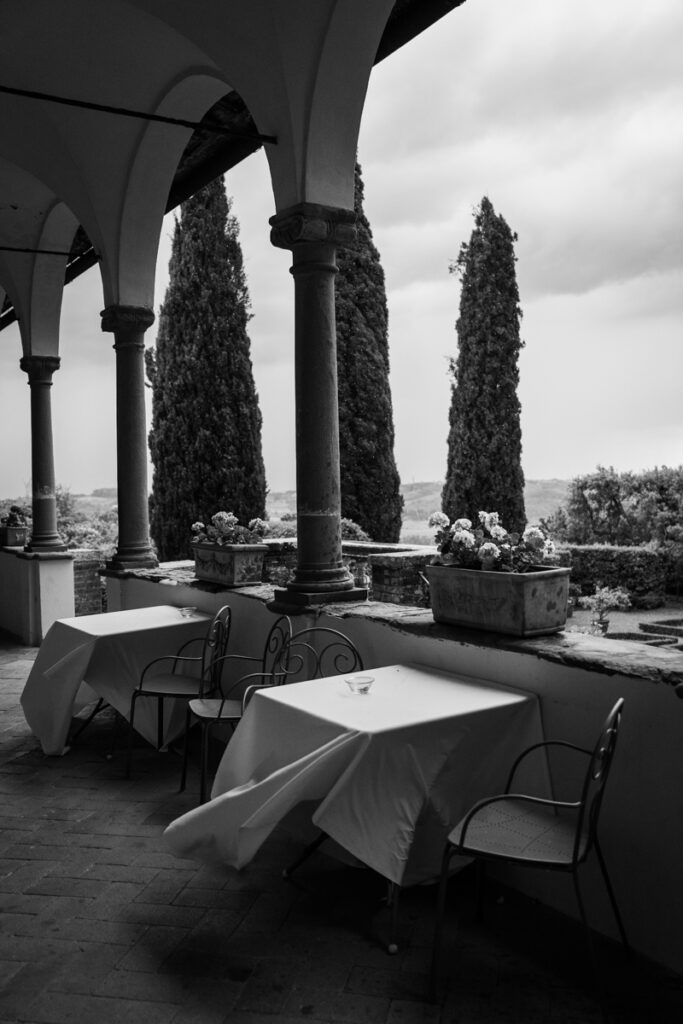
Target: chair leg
(204, 760)
(160, 722)
(438, 924)
(480, 874)
(311, 848)
(612, 898)
(131, 718)
(186, 749)
(393, 894)
(586, 929)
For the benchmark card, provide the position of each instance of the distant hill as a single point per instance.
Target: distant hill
(541, 498)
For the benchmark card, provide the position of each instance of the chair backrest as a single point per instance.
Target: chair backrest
(596, 780)
(277, 640)
(316, 652)
(215, 646)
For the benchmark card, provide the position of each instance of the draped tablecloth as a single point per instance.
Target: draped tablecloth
(90, 656)
(391, 772)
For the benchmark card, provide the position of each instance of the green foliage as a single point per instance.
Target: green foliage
(484, 468)
(370, 484)
(286, 527)
(640, 571)
(622, 508)
(205, 440)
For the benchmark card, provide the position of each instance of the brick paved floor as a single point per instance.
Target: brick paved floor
(100, 924)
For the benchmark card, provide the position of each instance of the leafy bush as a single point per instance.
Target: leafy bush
(637, 570)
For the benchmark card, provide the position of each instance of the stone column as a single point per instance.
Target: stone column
(313, 233)
(44, 536)
(129, 323)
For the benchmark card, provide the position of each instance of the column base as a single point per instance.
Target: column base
(54, 543)
(285, 599)
(121, 564)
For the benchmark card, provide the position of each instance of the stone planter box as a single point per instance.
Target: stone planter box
(520, 604)
(230, 565)
(13, 536)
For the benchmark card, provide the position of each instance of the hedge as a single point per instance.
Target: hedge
(637, 570)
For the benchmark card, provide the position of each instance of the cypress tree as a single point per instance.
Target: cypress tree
(484, 470)
(206, 423)
(370, 484)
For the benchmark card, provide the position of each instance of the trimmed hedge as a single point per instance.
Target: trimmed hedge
(637, 570)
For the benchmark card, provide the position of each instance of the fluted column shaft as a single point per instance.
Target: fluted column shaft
(44, 535)
(313, 234)
(128, 324)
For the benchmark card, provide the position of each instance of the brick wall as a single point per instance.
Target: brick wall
(397, 577)
(88, 590)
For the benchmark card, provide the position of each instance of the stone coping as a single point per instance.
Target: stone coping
(575, 650)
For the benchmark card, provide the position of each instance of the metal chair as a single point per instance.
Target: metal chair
(211, 711)
(531, 830)
(183, 676)
(319, 651)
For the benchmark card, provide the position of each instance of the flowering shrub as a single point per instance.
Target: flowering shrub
(604, 599)
(488, 545)
(224, 528)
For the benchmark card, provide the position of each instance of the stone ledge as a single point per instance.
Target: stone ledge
(575, 650)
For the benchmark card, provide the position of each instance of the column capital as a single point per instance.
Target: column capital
(311, 222)
(127, 319)
(39, 368)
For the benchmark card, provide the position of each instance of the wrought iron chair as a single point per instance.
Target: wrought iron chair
(217, 706)
(180, 675)
(531, 830)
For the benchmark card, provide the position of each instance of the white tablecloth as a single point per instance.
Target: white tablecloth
(92, 656)
(393, 771)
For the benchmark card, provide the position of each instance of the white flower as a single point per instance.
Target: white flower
(438, 520)
(462, 524)
(498, 533)
(489, 520)
(464, 537)
(534, 537)
(198, 527)
(489, 551)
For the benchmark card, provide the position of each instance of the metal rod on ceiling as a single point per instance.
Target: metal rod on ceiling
(39, 252)
(210, 126)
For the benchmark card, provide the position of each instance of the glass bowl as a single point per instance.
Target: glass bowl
(359, 684)
(188, 611)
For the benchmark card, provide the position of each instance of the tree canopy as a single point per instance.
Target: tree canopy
(206, 423)
(484, 471)
(370, 484)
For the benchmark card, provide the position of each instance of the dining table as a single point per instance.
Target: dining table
(90, 658)
(386, 774)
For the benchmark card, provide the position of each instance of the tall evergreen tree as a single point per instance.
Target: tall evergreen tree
(206, 423)
(484, 470)
(370, 484)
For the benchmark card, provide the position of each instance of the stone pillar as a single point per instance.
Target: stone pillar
(44, 536)
(129, 323)
(313, 233)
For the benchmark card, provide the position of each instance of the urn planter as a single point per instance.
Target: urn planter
(519, 604)
(230, 565)
(13, 536)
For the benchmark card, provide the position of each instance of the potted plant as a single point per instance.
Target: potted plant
(487, 578)
(605, 599)
(227, 553)
(14, 528)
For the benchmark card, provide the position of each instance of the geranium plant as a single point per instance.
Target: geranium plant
(225, 528)
(488, 545)
(605, 599)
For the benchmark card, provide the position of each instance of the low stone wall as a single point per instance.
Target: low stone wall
(89, 593)
(398, 576)
(392, 572)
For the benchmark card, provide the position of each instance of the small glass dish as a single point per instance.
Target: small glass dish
(359, 684)
(188, 611)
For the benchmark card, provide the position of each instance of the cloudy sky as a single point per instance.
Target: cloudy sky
(567, 114)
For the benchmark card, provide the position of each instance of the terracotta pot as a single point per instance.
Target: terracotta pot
(518, 604)
(230, 565)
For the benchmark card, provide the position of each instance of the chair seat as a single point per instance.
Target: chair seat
(210, 708)
(522, 831)
(170, 684)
